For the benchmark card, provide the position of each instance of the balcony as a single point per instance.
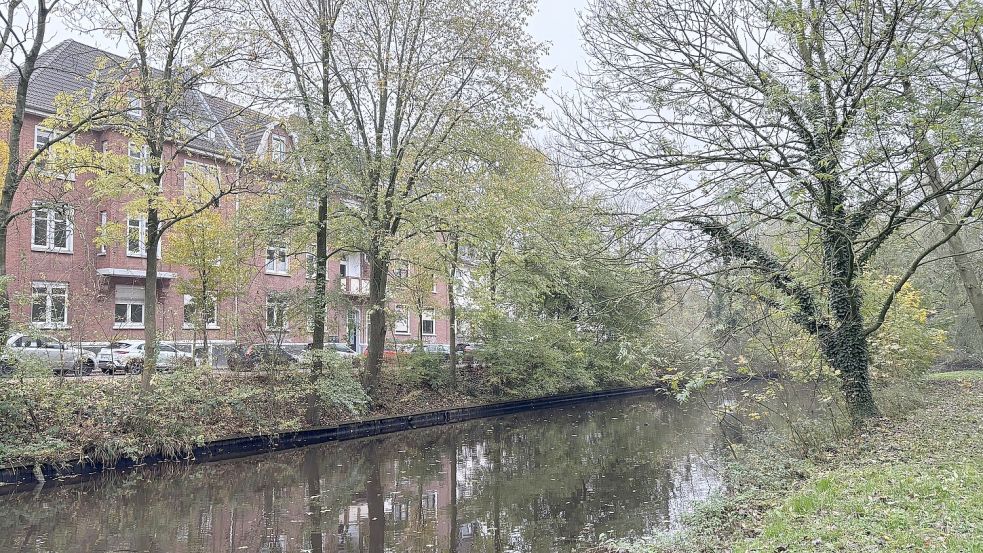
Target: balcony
(354, 286)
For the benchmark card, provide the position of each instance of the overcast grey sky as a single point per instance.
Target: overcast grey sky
(556, 23)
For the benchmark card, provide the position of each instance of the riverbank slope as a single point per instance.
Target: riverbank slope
(914, 483)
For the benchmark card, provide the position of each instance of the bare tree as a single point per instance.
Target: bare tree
(180, 50)
(23, 37)
(394, 84)
(781, 134)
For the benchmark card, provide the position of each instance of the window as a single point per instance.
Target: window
(201, 180)
(343, 268)
(426, 321)
(49, 304)
(311, 271)
(129, 307)
(401, 322)
(276, 260)
(434, 279)
(276, 311)
(429, 500)
(136, 237)
(192, 316)
(138, 158)
(135, 108)
(103, 221)
(42, 137)
(278, 149)
(402, 270)
(51, 229)
(45, 137)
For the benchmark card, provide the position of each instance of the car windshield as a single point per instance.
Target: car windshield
(120, 345)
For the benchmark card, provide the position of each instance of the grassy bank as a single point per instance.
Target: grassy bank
(914, 483)
(54, 420)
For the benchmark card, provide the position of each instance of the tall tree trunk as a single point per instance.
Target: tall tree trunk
(205, 299)
(378, 279)
(452, 308)
(11, 178)
(319, 308)
(150, 299)
(960, 253)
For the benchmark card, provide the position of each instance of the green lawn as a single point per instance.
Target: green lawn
(910, 485)
(957, 375)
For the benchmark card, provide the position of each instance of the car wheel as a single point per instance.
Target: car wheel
(135, 366)
(84, 367)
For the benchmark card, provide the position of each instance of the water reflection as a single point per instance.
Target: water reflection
(555, 480)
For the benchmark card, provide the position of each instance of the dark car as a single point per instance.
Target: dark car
(257, 355)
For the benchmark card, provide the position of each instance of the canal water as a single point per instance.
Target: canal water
(557, 480)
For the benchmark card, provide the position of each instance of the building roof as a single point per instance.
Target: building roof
(73, 67)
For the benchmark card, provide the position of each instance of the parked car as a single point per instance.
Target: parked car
(51, 352)
(262, 354)
(127, 356)
(342, 349)
(443, 350)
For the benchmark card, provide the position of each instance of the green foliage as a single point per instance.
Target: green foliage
(424, 370)
(338, 386)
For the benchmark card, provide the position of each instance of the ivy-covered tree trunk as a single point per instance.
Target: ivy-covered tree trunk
(845, 348)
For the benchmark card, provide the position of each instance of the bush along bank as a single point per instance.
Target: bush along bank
(909, 482)
(99, 421)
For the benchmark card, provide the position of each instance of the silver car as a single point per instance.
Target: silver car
(49, 351)
(127, 356)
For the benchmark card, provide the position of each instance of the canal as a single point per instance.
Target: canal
(557, 480)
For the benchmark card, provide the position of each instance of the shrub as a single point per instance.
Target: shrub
(424, 370)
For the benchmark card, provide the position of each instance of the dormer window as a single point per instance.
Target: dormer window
(278, 149)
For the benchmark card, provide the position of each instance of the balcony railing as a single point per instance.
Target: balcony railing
(354, 286)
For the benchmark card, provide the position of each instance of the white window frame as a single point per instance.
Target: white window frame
(48, 291)
(202, 168)
(138, 162)
(277, 261)
(278, 303)
(209, 325)
(103, 221)
(135, 107)
(278, 148)
(50, 214)
(134, 299)
(310, 269)
(141, 227)
(401, 320)
(432, 319)
(50, 152)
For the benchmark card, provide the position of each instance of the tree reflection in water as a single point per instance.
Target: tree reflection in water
(551, 480)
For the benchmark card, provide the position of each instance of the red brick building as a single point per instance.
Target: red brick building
(66, 284)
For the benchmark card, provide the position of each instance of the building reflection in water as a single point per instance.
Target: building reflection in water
(552, 480)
